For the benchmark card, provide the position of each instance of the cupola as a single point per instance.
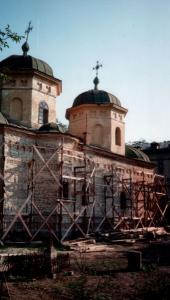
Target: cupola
(97, 117)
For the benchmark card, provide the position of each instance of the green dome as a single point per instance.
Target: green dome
(25, 63)
(132, 152)
(3, 120)
(51, 127)
(96, 97)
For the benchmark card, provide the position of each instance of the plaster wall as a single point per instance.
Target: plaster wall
(31, 91)
(43, 90)
(25, 172)
(15, 89)
(98, 123)
(119, 149)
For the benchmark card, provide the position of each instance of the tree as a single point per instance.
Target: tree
(7, 35)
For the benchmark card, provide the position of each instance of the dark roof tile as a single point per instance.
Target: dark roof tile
(21, 63)
(96, 97)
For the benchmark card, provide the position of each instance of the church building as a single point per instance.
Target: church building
(66, 184)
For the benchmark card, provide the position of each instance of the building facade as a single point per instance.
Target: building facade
(160, 157)
(67, 184)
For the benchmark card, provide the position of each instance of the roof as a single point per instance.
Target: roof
(132, 152)
(120, 158)
(106, 153)
(51, 127)
(25, 63)
(96, 97)
(3, 120)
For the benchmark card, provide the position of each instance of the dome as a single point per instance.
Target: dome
(136, 153)
(96, 97)
(51, 127)
(3, 120)
(25, 63)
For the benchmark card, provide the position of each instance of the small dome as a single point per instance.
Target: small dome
(25, 62)
(3, 120)
(96, 97)
(51, 127)
(132, 152)
(25, 48)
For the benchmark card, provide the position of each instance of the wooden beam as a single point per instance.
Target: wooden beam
(45, 221)
(16, 216)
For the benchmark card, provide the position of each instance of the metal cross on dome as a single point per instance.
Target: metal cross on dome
(97, 67)
(27, 31)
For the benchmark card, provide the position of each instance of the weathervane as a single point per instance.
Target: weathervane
(25, 46)
(97, 67)
(27, 31)
(96, 79)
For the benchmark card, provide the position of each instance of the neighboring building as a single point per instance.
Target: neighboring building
(72, 183)
(159, 154)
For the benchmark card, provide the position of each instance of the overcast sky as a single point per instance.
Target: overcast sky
(130, 37)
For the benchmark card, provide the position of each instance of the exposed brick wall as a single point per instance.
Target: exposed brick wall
(25, 173)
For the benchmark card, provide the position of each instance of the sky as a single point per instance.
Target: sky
(131, 38)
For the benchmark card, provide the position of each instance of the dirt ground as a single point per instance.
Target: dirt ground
(100, 272)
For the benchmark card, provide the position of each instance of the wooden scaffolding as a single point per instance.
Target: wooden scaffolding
(141, 204)
(84, 200)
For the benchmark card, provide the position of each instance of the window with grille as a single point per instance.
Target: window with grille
(43, 113)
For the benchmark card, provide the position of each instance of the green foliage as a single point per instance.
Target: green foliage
(7, 35)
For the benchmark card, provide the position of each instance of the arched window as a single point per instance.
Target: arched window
(43, 113)
(118, 136)
(16, 109)
(97, 135)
